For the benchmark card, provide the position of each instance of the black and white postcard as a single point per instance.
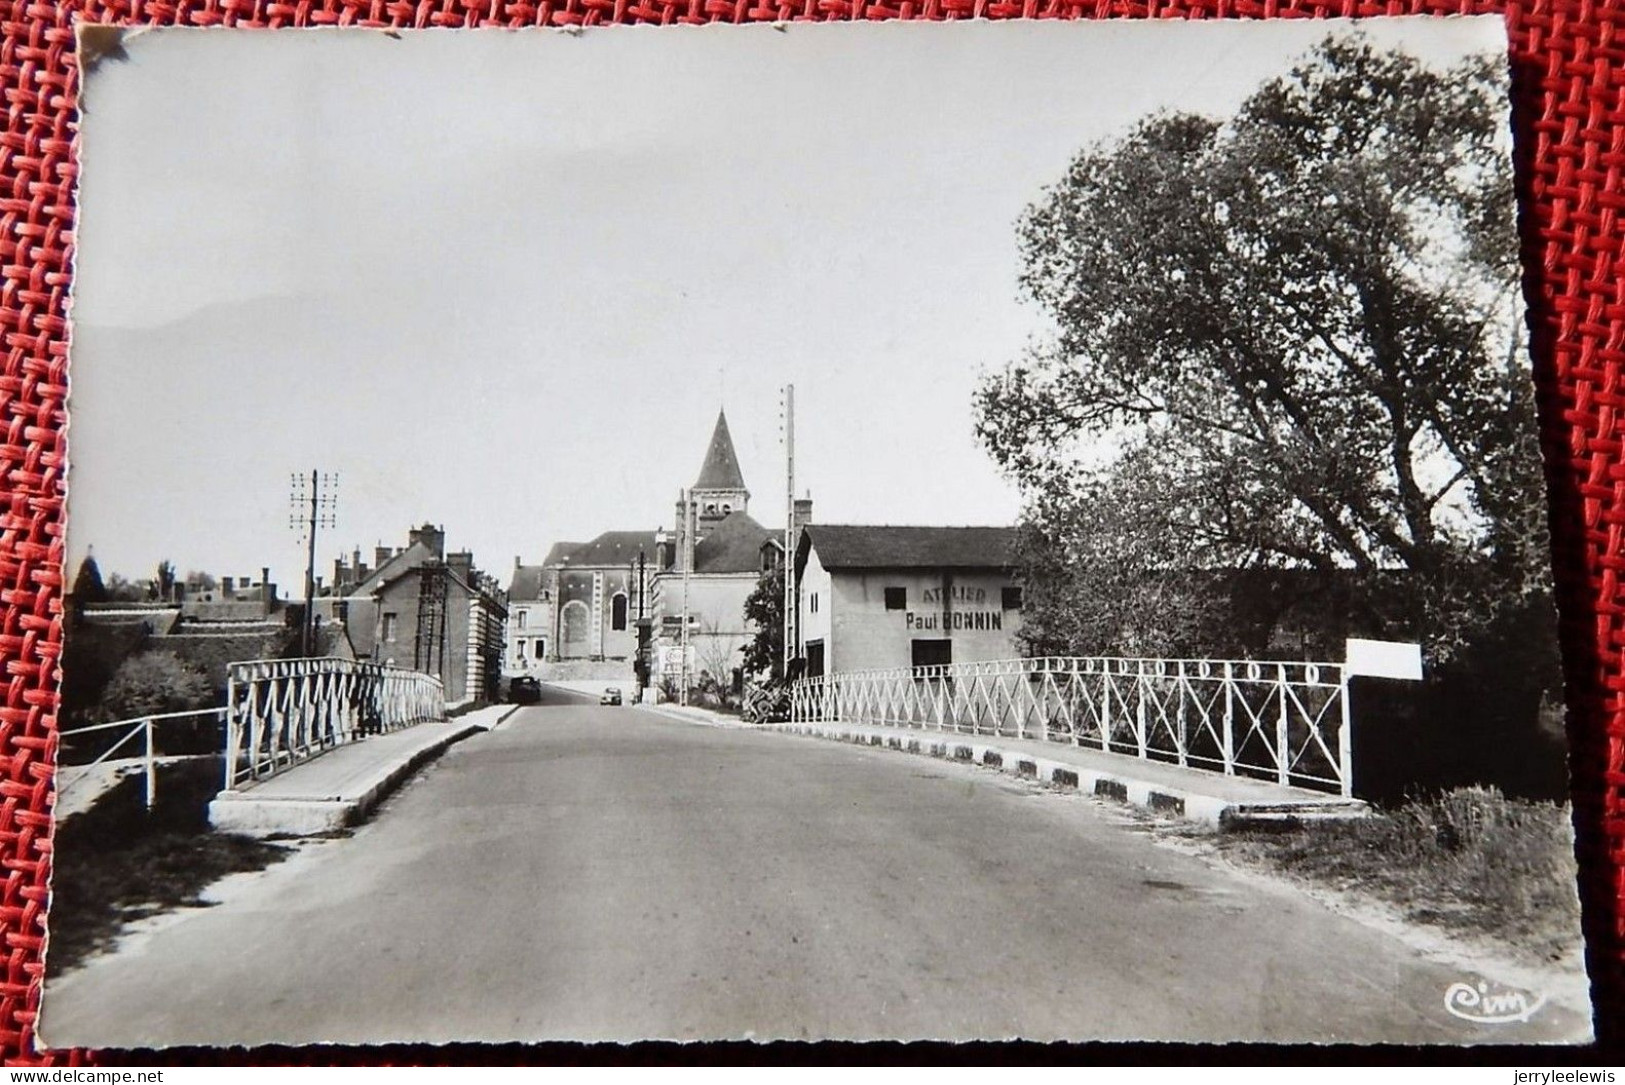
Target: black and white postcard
(897, 531)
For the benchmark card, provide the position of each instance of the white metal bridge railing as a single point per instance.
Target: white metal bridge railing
(69, 776)
(1286, 722)
(281, 711)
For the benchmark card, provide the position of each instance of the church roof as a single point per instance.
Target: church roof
(559, 552)
(733, 546)
(721, 468)
(617, 548)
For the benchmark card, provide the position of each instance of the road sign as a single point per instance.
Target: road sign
(1383, 659)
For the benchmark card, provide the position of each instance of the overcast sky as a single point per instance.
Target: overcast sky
(503, 280)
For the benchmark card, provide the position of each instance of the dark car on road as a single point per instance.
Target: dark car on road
(524, 690)
(612, 695)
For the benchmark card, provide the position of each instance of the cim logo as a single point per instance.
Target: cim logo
(1491, 1005)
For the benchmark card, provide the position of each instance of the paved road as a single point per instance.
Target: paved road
(605, 873)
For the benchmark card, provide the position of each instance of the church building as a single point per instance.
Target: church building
(582, 607)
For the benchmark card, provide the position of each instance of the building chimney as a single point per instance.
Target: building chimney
(433, 538)
(381, 554)
(802, 514)
(225, 587)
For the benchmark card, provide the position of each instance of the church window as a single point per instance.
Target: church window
(726, 508)
(575, 622)
(617, 611)
(710, 507)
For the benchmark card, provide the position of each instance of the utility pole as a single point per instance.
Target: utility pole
(688, 562)
(640, 669)
(789, 526)
(311, 509)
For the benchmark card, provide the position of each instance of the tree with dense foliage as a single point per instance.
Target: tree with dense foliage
(1283, 387)
(1284, 341)
(120, 589)
(163, 581)
(88, 586)
(764, 609)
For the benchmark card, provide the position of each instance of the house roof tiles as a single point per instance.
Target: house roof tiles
(526, 585)
(733, 546)
(887, 546)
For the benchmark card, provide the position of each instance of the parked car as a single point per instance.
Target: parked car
(612, 695)
(524, 690)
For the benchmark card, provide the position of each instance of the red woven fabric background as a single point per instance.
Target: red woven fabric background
(1569, 111)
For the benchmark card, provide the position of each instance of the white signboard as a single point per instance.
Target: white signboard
(1383, 659)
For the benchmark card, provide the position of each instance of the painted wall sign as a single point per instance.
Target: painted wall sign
(959, 593)
(955, 619)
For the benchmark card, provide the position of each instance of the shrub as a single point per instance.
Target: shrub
(155, 682)
(1469, 859)
(150, 684)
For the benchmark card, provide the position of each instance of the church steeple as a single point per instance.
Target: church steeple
(720, 489)
(721, 468)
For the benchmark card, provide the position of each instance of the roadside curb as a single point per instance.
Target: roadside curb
(243, 812)
(489, 719)
(698, 717)
(1162, 798)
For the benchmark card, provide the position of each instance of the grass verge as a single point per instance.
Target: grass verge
(118, 862)
(1470, 861)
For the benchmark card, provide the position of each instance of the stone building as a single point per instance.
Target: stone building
(530, 620)
(424, 608)
(584, 603)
